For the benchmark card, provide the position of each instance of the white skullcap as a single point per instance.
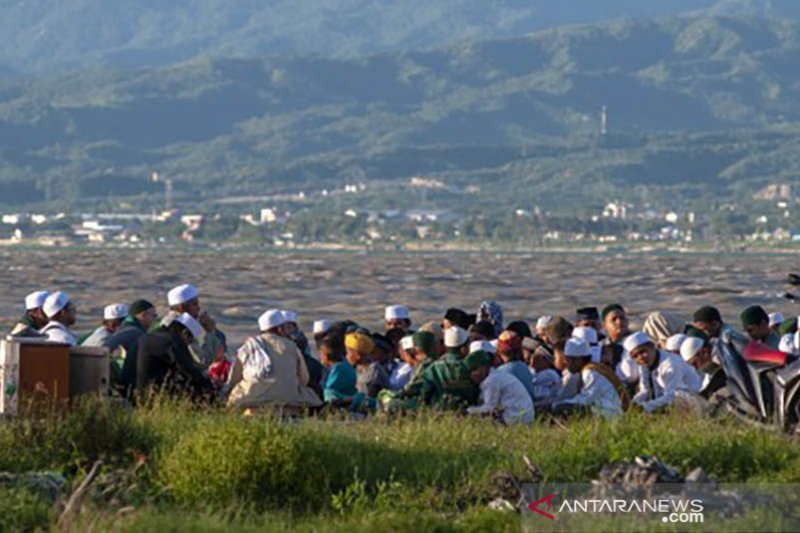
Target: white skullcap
(35, 300)
(455, 337)
(775, 319)
(271, 319)
(577, 348)
(321, 326)
(396, 312)
(788, 344)
(181, 294)
(673, 343)
(543, 321)
(486, 346)
(115, 311)
(191, 324)
(407, 342)
(635, 340)
(290, 316)
(690, 346)
(54, 303)
(588, 335)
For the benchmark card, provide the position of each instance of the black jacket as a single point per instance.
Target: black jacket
(164, 362)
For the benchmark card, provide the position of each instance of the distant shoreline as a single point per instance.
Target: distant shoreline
(600, 250)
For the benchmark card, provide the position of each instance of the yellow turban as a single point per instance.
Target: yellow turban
(359, 342)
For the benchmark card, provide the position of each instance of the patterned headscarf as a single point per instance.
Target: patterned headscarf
(492, 312)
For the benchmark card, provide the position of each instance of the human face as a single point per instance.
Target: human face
(353, 357)
(146, 317)
(616, 324)
(112, 325)
(401, 323)
(589, 323)
(192, 307)
(758, 332)
(70, 314)
(324, 356)
(39, 318)
(645, 355)
(711, 329)
(576, 364)
(479, 374)
(702, 358)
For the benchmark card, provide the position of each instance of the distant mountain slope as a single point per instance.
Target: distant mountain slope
(237, 126)
(42, 36)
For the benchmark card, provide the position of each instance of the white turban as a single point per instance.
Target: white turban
(635, 340)
(115, 312)
(271, 319)
(396, 312)
(35, 300)
(54, 303)
(181, 294)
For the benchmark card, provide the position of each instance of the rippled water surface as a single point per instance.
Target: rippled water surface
(237, 286)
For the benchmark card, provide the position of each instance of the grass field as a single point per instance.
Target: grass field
(168, 466)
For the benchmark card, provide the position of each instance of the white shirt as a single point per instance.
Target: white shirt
(628, 369)
(97, 337)
(58, 332)
(501, 391)
(546, 386)
(400, 376)
(597, 393)
(672, 376)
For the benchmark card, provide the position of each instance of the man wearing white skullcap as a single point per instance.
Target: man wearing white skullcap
(397, 316)
(456, 343)
(600, 391)
(589, 336)
(61, 313)
(673, 343)
(34, 318)
(541, 324)
(213, 346)
(665, 377)
(164, 362)
(113, 315)
(401, 374)
(269, 369)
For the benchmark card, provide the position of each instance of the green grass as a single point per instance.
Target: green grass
(174, 467)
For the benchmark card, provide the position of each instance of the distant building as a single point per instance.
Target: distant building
(774, 192)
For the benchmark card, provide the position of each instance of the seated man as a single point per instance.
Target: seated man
(665, 378)
(185, 299)
(62, 314)
(269, 369)
(34, 318)
(756, 323)
(164, 361)
(124, 344)
(446, 384)
(696, 351)
(509, 357)
(401, 374)
(113, 315)
(546, 379)
(600, 391)
(397, 316)
(340, 383)
(502, 395)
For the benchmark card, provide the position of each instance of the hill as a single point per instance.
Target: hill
(42, 36)
(520, 110)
